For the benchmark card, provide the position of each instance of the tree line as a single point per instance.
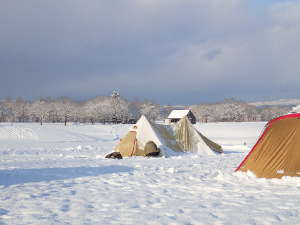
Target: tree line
(231, 110)
(116, 109)
(102, 109)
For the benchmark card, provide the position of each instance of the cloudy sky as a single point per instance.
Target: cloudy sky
(169, 51)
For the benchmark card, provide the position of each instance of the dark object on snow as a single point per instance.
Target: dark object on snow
(114, 155)
(154, 154)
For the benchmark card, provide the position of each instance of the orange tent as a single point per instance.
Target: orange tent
(277, 151)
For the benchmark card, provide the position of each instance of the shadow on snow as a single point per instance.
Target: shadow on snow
(23, 176)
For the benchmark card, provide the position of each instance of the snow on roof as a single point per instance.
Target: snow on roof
(178, 114)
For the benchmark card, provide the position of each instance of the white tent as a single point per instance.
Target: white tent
(146, 132)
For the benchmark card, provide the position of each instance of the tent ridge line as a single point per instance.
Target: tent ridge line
(254, 147)
(294, 115)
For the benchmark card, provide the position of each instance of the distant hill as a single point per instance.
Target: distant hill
(279, 103)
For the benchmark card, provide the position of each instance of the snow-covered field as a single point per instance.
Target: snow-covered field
(53, 174)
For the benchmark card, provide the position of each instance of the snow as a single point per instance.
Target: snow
(295, 109)
(53, 174)
(178, 114)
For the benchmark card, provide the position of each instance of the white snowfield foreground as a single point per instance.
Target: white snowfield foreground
(53, 174)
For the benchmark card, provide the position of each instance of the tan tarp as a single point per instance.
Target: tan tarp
(213, 146)
(128, 144)
(185, 135)
(192, 140)
(277, 153)
(167, 135)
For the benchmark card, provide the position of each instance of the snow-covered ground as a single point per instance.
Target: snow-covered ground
(53, 174)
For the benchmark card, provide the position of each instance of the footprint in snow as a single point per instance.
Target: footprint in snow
(3, 212)
(65, 208)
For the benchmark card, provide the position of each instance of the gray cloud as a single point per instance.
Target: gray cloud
(169, 51)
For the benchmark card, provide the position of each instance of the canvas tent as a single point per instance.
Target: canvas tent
(181, 137)
(192, 140)
(143, 132)
(277, 151)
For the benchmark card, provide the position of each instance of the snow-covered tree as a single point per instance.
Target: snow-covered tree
(39, 110)
(66, 109)
(150, 110)
(269, 113)
(20, 109)
(227, 110)
(5, 113)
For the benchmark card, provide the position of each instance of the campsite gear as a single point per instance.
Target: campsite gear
(153, 154)
(150, 148)
(145, 138)
(114, 155)
(277, 151)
